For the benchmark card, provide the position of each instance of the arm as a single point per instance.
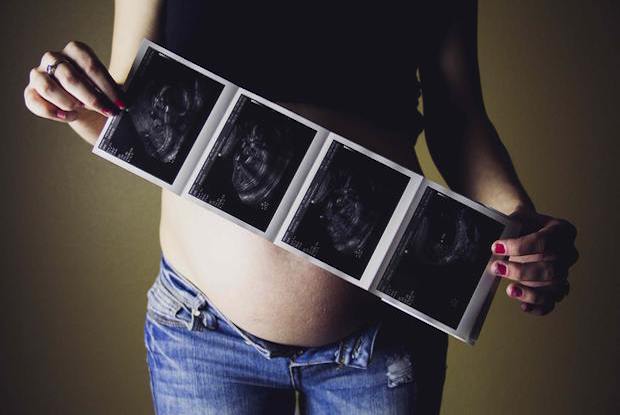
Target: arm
(133, 20)
(461, 139)
(71, 98)
(470, 155)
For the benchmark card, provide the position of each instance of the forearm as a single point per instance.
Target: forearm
(478, 166)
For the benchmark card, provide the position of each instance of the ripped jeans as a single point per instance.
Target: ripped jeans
(201, 363)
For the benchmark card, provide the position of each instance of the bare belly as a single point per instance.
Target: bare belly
(262, 288)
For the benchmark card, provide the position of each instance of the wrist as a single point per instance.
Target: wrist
(88, 125)
(523, 207)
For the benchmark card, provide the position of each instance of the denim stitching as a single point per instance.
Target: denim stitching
(162, 309)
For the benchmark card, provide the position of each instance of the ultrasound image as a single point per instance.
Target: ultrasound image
(346, 209)
(169, 103)
(441, 257)
(252, 163)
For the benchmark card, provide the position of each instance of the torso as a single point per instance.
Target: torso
(342, 61)
(260, 287)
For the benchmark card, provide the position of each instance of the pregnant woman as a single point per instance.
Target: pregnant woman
(276, 327)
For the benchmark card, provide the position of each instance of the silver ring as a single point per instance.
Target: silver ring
(51, 68)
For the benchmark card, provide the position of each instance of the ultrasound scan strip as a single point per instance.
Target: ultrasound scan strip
(346, 209)
(441, 257)
(168, 105)
(420, 247)
(252, 163)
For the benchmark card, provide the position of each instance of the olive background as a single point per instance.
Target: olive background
(80, 237)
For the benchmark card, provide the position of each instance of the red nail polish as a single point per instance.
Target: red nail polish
(500, 248)
(500, 268)
(516, 291)
(120, 104)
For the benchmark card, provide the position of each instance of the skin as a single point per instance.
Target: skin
(268, 291)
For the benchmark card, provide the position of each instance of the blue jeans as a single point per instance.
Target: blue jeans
(201, 363)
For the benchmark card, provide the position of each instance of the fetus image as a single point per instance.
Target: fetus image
(346, 209)
(259, 160)
(441, 257)
(252, 163)
(169, 104)
(164, 113)
(349, 213)
(445, 237)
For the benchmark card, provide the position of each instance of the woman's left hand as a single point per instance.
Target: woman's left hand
(537, 262)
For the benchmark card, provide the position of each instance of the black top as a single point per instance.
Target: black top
(362, 61)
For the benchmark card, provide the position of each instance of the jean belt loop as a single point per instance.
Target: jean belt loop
(340, 356)
(192, 324)
(363, 347)
(206, 313)
(356, 350)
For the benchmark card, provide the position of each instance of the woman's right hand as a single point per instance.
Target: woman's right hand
(79, 82)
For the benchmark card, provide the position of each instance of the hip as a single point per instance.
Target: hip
(199, 359)
(262, 288)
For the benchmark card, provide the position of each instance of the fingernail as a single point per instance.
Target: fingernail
(516, 291)
(500, 268)
(61, 114)
(500, 248)
(107, 112)
(120, 104)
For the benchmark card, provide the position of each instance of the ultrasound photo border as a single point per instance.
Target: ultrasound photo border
(296, 182)
(205, 134)
(470, 324)
(370, 272)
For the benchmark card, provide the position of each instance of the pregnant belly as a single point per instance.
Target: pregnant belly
(262, 288)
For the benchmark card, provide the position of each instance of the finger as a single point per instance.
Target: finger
(537, 310)
(571, 257)
(78, 86)
(532, 243)
(541, 271)
(49, 89)
(537, 284)
(532, 258)
(556, 236)
(96, 71)
(39, 106)
(527, 294)
(563, 262)
(555, 291)
(561, 291)
(558, 290)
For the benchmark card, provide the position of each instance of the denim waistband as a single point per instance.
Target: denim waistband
(353, 350)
